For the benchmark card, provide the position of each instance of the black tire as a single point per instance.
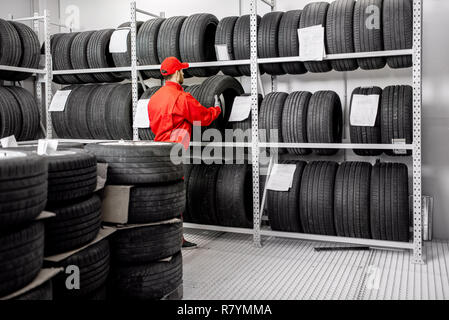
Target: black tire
(10, 114)
(29, 111)
(186, 216)
(30, 51)
(147, 281)
(146, 244)
(194, 90)
(315, 14)
(294, 120)
(389, 202)
(397, 116)
(283, 207)
(316, 200)
(72, 174)
(59, 119)
(98, 55)
(201, 194)
(168, 38)
(351, 200)
(368, 135)
(147, 47)
(398, 30)
(137, 162)
(220, 85)
(10, 47)
(289, 43)
(74, 226)
(368, 39)
(146, 133)
(78, 103)
(79, 53)
(119, 115)
(21, 257)
(98, 110)
(196, 43)
(242, 42)
(268, 42)
(23, 188)
(42, 293)
(156, 203)
(340, 33)
(225, 36)
(270, 116)
(234, 196)
(324, 120)
(62, 60)
(93, 263)
(123, 59)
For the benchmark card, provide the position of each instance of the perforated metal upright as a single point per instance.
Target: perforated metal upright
(134, 77)
(48, 74)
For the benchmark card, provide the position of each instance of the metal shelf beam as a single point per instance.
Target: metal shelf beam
(26, 70)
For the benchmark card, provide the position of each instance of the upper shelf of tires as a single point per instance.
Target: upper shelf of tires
(350, 27)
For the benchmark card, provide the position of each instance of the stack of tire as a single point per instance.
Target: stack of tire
(354, 199)
(302, 117)
(147, 260)
(346, 31)
(19, 47)
(96, 111)
(72, 179)
(394, 119)
(19, 114)
(225, 87)
(23, 196)
(219, 195)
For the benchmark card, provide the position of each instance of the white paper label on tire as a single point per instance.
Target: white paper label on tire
(119, 41)
(281, 177)
(102, 174)
(240, 109)
(222, 53)
(47, 147)
(364, 110)
(59, 100)
(401, 142)
(141, 119)
(311, 43)
(9, 142)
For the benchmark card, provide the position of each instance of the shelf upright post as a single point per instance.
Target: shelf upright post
(274, 79)
(134, 78)
(48, 74)
(255, 122)
(417, 160)
(37, 81)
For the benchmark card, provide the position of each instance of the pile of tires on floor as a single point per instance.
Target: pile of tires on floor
(146, 252)
(219, 195)
(303, 117)
(19, 47)
(353, 199)
(19, 114)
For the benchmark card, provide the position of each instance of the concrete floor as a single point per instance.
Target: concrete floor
(227, 266)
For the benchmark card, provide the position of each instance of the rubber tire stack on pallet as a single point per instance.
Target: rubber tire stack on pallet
(146, 253)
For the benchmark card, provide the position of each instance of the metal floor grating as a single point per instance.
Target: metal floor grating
(227, 267)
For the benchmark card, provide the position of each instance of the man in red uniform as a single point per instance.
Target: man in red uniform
(172, 111)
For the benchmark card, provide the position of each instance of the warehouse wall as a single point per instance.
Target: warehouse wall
(108, 14)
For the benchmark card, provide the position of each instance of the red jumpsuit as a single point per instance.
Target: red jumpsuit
(173, 111)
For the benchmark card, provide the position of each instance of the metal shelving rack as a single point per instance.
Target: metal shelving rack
(255, 145)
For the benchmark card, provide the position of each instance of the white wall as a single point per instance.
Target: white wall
(110, 13)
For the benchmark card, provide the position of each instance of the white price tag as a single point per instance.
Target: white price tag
(399, 151)
(364, 110)
(240, 109)
(59, 100)
(102, 174)
(9, 142)
(47, 147)
(311, 43)
(119, 41)
(141, 119)
(281, 177)
(222, 53)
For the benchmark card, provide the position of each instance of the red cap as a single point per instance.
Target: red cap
(171, 64)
